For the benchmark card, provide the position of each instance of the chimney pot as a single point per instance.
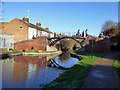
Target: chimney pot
(26, 19)
(47, 28)
(38, 24)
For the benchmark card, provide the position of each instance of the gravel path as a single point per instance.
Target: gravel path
(103, 74)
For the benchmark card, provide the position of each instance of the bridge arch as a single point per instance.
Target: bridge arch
(53, 42)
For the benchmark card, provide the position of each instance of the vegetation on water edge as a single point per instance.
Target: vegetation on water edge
(4, 51)
(74, 76)
(39, 51)
(117, 66)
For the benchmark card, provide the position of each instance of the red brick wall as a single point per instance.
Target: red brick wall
(101, 45)
(35, 43)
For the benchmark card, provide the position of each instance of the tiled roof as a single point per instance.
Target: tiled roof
(35, 26)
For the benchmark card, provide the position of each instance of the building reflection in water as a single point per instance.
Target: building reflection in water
(7, 68)
(28, 72)
(25, 67)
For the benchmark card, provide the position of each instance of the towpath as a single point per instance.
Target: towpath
(103, 74)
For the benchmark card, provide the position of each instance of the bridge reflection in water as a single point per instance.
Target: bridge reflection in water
(64, 61)
(30, 72)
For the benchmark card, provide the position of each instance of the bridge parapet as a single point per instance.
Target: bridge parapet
(59, 38)
(75, 37)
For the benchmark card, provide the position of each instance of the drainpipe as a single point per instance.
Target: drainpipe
(46, 43)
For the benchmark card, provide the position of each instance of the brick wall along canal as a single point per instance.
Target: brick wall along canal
(33, 72)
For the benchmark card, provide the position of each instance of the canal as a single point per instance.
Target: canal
(34, 71)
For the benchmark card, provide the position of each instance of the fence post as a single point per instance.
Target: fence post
(46, 43)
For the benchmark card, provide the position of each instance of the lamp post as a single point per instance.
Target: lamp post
(92, 43)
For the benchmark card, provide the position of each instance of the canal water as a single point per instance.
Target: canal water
(33, 72)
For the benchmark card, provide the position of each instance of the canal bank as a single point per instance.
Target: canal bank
(74, 76)
(43, 53)
(7, 55)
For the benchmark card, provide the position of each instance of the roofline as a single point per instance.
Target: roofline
(30, 40)
(4, 22)
(35, 26)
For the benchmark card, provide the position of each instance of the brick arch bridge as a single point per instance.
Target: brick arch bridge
(59, 38)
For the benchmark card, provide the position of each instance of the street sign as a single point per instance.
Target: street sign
(91, 42)
(43, 42)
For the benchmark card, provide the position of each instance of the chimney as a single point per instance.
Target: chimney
(38, 24)
(26, 19)
(47, 28)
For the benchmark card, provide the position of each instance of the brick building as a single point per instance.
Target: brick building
(34, 44)
(24, 30)
(100, 45)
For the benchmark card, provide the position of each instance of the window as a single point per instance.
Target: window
(21, 26)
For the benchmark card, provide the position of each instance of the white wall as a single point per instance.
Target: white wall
(38, 33)
(32, 32)
(45, 34)
(51, 35)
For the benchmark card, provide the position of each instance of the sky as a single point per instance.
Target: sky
(64, 16)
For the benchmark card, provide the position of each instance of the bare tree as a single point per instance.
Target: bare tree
(110, 29)
(107, 25)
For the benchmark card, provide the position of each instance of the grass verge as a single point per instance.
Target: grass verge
(4, 51)
(39, 51)
(117, 66)
(74, 76)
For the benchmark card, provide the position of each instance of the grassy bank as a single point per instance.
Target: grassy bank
(39, 51)
(74, 76)
(5, 51)
(117, 66)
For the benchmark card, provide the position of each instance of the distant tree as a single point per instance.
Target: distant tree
(83, 34)
(110, 29)
(54, 34)
(108, 25)
(118, 26)
(86, 34)
(78, 33)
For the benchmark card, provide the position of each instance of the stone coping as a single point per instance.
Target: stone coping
(30, 40)
(3, 56)
(42, 53)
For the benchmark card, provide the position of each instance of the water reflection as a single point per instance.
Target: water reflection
(30, 72)
(64, 61)
(64, 56)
